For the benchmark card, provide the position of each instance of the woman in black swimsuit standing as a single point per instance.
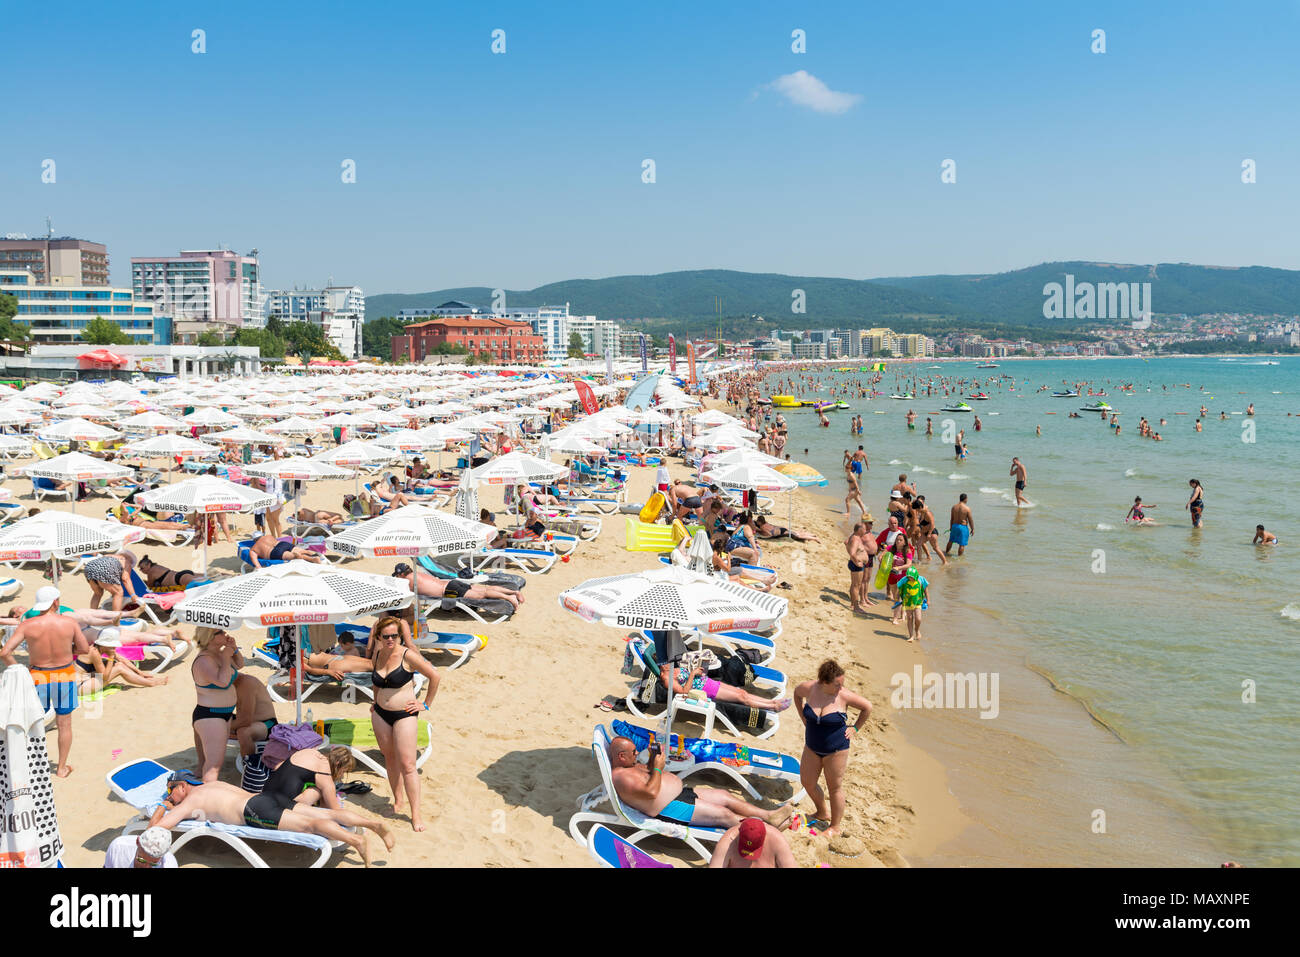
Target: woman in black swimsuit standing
(822, 705)
(395, 713)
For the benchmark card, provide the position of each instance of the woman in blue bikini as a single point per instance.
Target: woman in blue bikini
(822, 705)
(215, 669)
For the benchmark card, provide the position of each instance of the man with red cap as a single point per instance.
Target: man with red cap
(752, 843)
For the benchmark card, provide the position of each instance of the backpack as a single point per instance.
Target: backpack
(285, 739)
(255, 775)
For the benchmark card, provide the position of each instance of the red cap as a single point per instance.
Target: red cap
(753, 833)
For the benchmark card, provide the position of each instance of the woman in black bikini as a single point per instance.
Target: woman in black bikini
(395, 712)
(214, 670)
(159, 577)
(822, 705)
(1196, 504)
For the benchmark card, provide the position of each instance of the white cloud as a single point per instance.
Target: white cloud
(803, 89)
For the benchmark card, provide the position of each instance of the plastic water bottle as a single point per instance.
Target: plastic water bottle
(311, 722)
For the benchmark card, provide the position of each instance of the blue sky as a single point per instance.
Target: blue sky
(519, 169)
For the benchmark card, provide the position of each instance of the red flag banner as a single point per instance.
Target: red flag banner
(690, 358)
(672, 353)
(587, 396)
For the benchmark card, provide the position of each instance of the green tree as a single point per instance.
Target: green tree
(104, 332)
(275, 325)
(211, 337)
(10, 328)
(576, 348)
(270, 346)
(377, 335)
(307, 338)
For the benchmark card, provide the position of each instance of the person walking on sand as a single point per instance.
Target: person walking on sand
(858, 561)
(1021, 477)
(823, 708)
(53, 639)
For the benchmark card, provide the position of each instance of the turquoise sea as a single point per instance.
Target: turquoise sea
(1149, 676)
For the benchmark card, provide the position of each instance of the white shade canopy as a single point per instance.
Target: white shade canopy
(63, 535)
(412, 530)
(299, 469)
(77, 430)
(76, 467)
(206, 494)
(669, 597)
(750, 477)
(165, 446)
(295, 593)
(516, 468)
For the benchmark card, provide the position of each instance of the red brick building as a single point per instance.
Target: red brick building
(506, 340)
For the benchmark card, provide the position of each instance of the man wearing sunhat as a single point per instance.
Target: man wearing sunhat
(150, 848)
(752, 843)
(52, 640)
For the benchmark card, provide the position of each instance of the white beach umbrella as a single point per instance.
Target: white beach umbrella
(83, 410)
(409, 440)
(412, 530)
(210, 417)
(714, 417)
(355, 454)
(668, 597)
(77, 430)
(749, 477)
(168, 446)
(16, 443)
(205, 495)
(296, 469)
(296, 593)
(740, 456)
(295, 425)
(62, 535)
(75, 467)
(151, 422)
(30, 835)
(245, 436)
(15, 416)
(574, 445)
(515, 468)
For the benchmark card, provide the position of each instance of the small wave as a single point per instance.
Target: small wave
(897, 462)
(1129, 473)
(1103, 527)
(1291, 611)
(990, 491)
(957, 477)
(922, 468)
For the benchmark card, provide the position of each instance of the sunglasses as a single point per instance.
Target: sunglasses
(390, 634)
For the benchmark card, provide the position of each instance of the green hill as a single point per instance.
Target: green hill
(1013, 299)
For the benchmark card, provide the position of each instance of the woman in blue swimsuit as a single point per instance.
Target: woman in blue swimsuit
(822, 705)
(215, 669)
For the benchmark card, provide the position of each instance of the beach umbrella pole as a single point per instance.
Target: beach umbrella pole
(297, 695)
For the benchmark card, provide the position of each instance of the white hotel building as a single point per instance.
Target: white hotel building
(340, 311)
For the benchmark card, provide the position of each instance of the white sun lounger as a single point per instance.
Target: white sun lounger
(625, 816)
(143, 785)
(338, 732)
(530, 561)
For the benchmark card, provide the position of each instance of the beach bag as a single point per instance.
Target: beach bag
(285, 739)
(735, 671)
(255, 775)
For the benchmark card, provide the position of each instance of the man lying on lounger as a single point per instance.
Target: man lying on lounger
(272, 549)
(226, 804)
(431, 587)
(659, 793)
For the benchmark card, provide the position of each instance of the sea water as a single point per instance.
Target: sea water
(1149, 676)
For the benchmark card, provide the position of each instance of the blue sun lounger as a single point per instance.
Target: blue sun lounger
(143, 785)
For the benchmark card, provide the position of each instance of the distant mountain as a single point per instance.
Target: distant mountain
(1013, 298)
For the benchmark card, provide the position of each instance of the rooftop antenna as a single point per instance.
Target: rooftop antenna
(49, 228)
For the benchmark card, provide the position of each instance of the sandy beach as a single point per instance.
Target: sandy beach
(512, 726)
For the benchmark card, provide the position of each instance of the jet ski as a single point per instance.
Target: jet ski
(1065, 395)
(959, 407)
(979, 395)
(1099, 407)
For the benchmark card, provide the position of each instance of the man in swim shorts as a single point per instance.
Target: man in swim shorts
(270, 548)
(658, 793)
(1263, 538)
(1018, 471)
(858, 563)
(961, 525)
(53, 639)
